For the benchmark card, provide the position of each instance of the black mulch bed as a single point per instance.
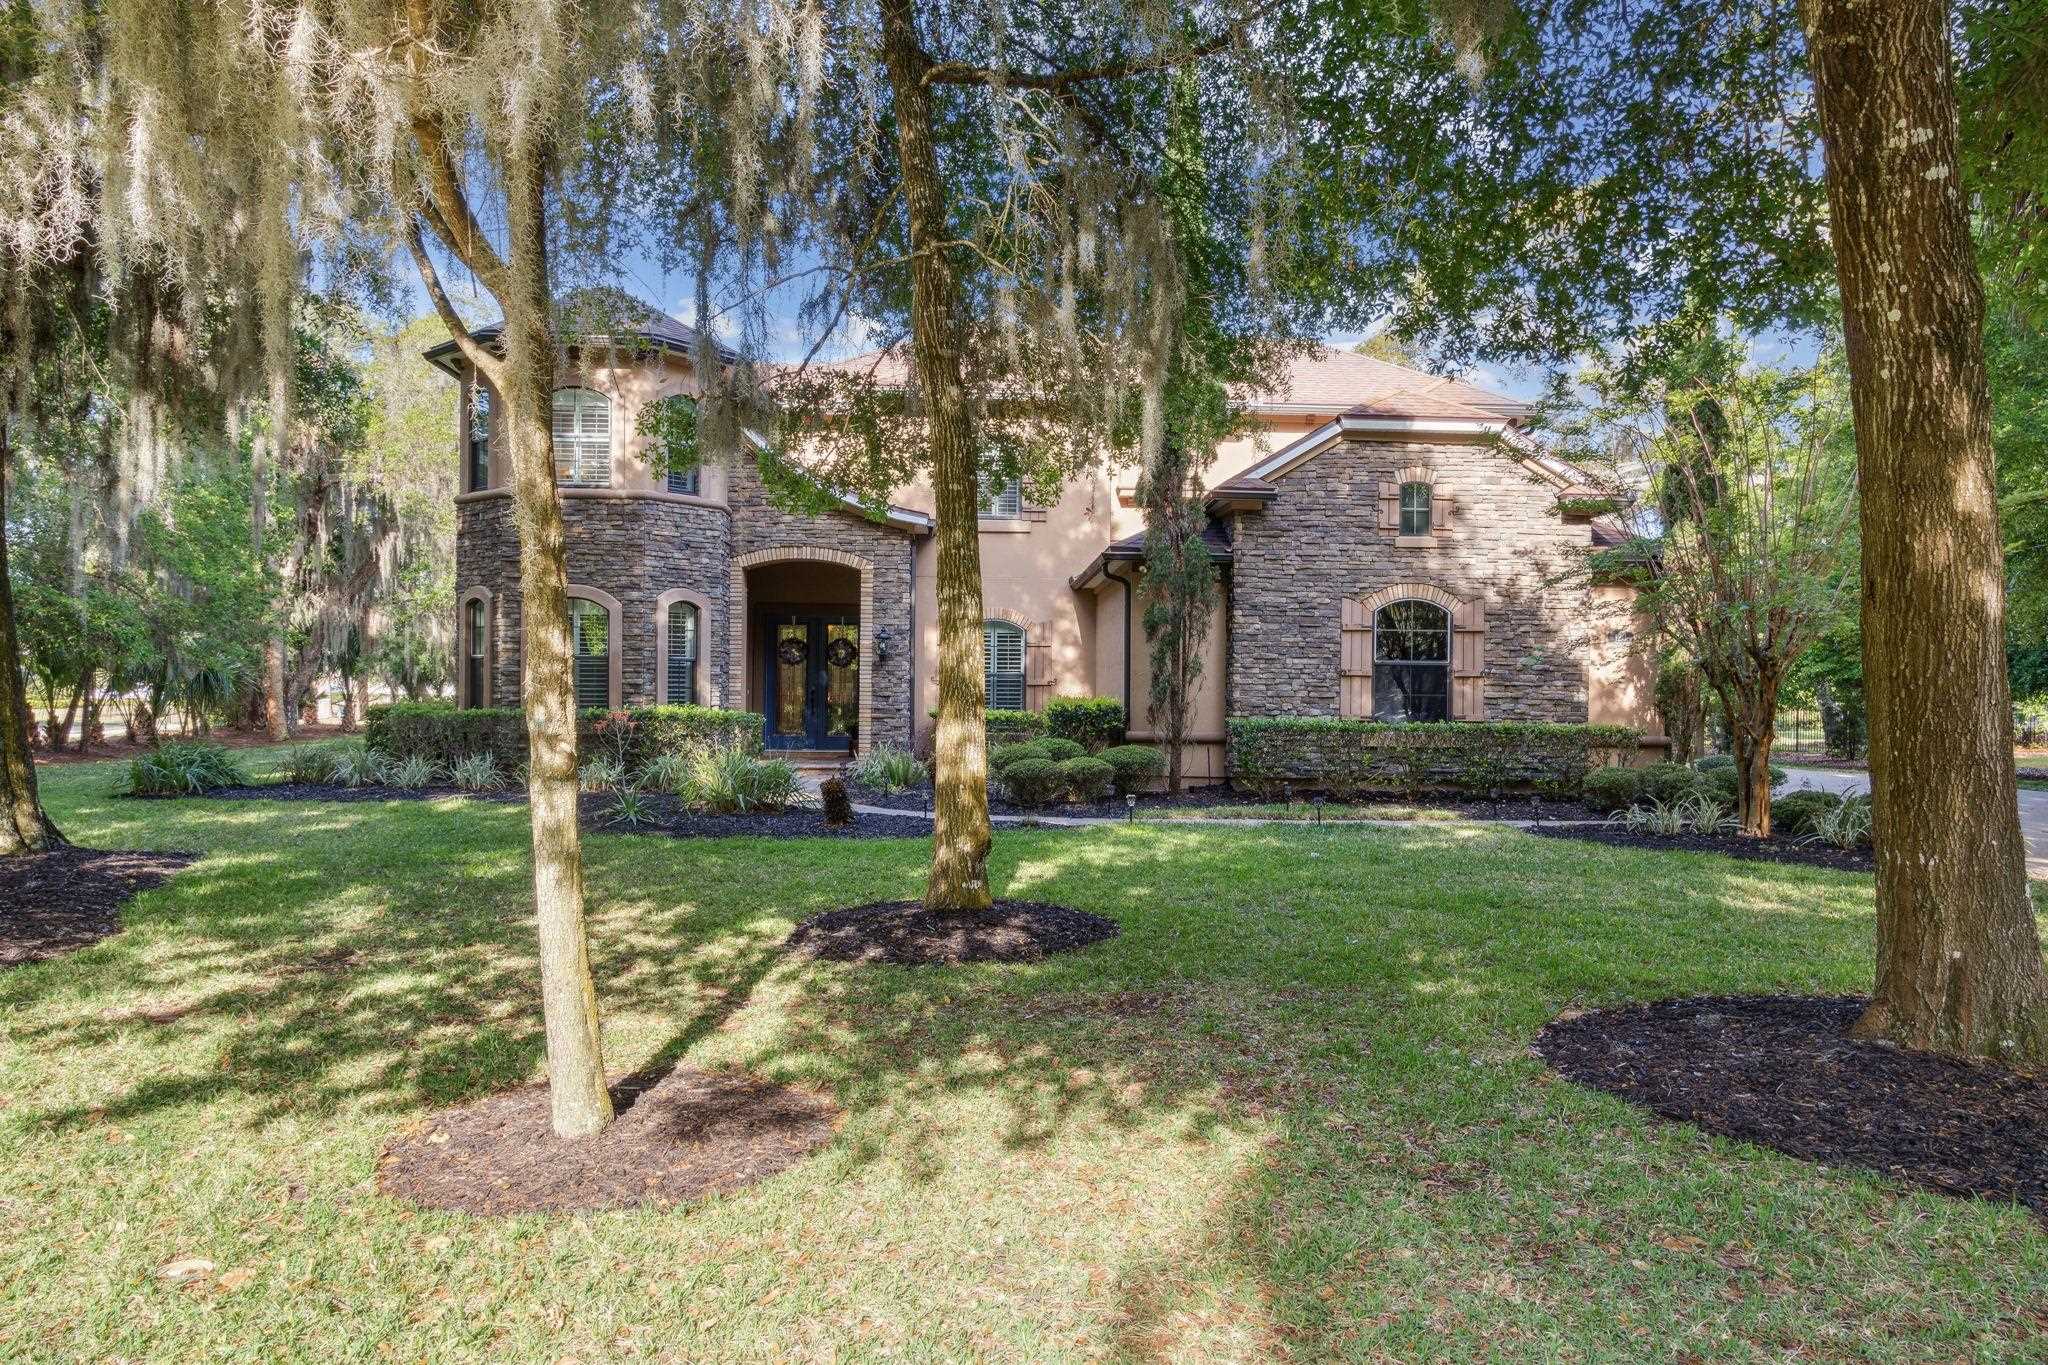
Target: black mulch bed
(71, 898)
(907, 934)
(673, 818)
(1782, 1071)
(675, 1139)
(1518, 808)
(1776, 849)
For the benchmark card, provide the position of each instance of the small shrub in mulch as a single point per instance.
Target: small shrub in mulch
(676, 1138)
(1782, 1071)
(907, 934)
(71, 898)
(1776, 849)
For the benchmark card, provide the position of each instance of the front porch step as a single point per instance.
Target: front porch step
(821, 760)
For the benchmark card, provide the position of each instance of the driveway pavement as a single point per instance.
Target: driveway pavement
(2033, 806)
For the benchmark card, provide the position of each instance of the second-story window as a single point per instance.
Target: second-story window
(477, 474)
(1002, 499)
(583, 438)
(1415, 509)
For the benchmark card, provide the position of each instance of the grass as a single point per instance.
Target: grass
(1290, 1113)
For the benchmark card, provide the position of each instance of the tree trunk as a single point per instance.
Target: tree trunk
(1753, 770)
(576, 1089)
(1958, 955)
(23, 826)
(960, 836)
(89, 707)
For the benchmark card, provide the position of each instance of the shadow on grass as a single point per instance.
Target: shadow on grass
(1349, 1007)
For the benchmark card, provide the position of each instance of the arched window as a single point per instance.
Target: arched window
(1411, 670)
(590, 641)
(478, 473)
(682, 654)
(1415, 498)
(475, 653)
(1002, 654)
(583, 438)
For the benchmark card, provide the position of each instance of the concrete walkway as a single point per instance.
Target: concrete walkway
(2033, 806)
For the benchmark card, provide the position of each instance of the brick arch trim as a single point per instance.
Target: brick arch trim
(618, 621)
(736, 599)
(462, 697)
(1360, 616)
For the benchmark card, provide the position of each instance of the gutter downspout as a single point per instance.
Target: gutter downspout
(1125, 583)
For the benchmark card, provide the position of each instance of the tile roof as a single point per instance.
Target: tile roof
(599, 313)
(1324, 380)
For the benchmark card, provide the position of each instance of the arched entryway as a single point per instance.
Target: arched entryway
(800, 632)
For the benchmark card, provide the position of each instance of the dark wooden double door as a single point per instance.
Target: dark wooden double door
(810, 668)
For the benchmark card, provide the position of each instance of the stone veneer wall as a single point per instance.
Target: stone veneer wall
(758, 525)
(637, 547)
(1320, 541)
(633, 547)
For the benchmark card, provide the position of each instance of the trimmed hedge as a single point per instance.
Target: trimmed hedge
(1013, 727)
(444, 734)
(1349, 756)
(1088, 779)
(1034, 781)
(1091, 722)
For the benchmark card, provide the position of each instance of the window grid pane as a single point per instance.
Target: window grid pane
(682, 480)
(1415, 509)
(1411, 669)
(590, 631)
(480, 440)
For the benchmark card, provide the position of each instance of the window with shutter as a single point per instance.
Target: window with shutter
(583, 438)
(1415, 508)
(1411, 668)
(478, 474)
(1002, 650)
(682, 655)
(590, 641)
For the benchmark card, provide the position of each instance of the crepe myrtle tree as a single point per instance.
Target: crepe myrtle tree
(1736, 486)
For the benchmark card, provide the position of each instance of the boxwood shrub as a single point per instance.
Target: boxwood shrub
(1034, 781)
(444, 734)
(1266, 752)
(1091, 722)
(1088, 779)
(1013, 727)
(1136, 766)
(1059, 750)
(1001, 756)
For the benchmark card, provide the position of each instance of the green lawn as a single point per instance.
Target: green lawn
(1290, 1113)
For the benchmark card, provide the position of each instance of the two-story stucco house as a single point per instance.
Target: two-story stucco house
(1381, 556)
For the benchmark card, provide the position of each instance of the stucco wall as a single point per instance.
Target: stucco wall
(1320, 542)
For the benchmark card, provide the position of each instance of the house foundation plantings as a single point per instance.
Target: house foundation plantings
(1268, 755)
(635, 736)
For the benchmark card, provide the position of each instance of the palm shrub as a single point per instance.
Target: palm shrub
(356, 765)
(631, 807)
(726, 779)
(889, 769)
(413, 772)
(665, 773)
(601, 773)
(1087, 779)
(1033, 781)
(1134, 766)
(185, 768)
(1847, 824)
(314, 764)
(476, 773)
